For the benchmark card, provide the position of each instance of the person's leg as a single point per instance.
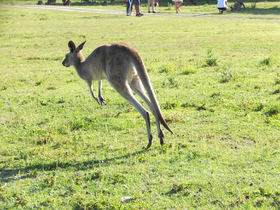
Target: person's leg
(137, 8)
(149, 5)
(221, 10)
(177, 7)
(153, 5)
(128, 9)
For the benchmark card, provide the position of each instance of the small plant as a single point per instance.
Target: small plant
(226, 77)
(258, 107)
(93, 176)
(271, 111)
(38, 83)
(210, 59)
(185, 189)
(118, 179)
(169, 105)
(171, 83)
(186, 69)
(266, 62)
(166, 68)
(277, 79)
(176, 188)
(277, 91)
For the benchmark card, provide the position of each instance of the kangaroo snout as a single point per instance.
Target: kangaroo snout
(64, 63)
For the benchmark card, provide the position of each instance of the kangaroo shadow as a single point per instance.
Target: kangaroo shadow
(9, 175)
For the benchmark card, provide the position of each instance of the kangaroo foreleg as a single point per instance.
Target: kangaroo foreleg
(101, 99)
(92, 92)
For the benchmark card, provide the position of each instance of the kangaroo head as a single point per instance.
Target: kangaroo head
(75, 54)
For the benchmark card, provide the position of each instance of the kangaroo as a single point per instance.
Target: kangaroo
(237, 6)
(123, 67)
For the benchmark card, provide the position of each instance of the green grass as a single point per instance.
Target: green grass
(60, 149)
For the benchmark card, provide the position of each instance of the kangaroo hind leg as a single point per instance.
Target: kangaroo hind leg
(126, 92)
(137, 86)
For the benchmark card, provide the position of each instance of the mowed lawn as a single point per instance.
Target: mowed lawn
(216, 77)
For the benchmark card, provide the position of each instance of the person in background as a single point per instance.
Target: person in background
(129, 5)
(222, 6)
(151, 3)
(178, 4)
(128, 8)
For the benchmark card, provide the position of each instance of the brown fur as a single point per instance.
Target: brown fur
(237, 6)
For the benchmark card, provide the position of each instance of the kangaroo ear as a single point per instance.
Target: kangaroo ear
(80, 47)
(71, 46)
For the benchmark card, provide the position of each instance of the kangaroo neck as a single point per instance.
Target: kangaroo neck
(79, 64)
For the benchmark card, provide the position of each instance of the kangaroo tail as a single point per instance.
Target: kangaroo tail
(142, 73)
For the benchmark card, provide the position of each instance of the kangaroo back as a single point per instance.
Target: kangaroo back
(143, 75)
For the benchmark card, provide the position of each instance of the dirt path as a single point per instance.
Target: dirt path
(93, 10)
(66, 9)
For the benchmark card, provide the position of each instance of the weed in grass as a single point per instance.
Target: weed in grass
(259, 107)
(215, 95)
(226, 77)
(210, 59)
(48, 181)
(266, 61)
(4, 88)
(169, 105)
(117, 179)
(170, 83)
(272, 111)
(197, 107)
(186, 69)
(93, 176)
(263, 195)
(166, 68)
(277, 91)
(80, 203)
(185, 189)
(175, 118)
(277, 79)
(19, 199)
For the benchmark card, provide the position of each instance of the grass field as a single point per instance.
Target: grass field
(217, 80)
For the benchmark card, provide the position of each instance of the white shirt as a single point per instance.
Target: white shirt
(222, 4)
